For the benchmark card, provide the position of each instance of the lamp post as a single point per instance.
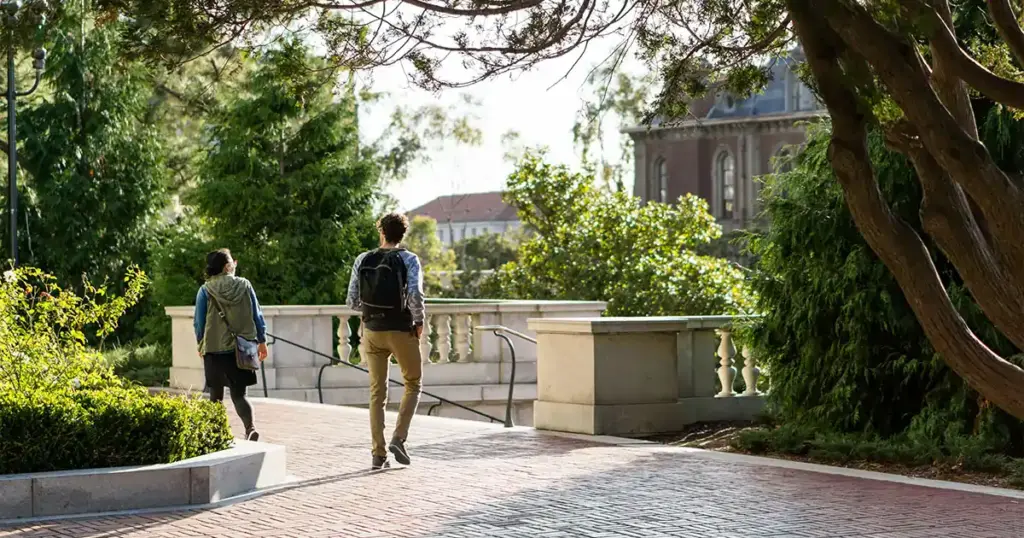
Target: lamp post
(10, 9)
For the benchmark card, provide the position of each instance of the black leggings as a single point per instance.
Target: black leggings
(238, 398)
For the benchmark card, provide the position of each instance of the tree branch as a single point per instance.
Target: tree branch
(895, 242)
(951, 90)
(1005, 21)
(946, 216)
(502, 9)
(945, 46)
(964, 158)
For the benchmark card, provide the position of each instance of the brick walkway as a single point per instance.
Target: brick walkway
(474, 480)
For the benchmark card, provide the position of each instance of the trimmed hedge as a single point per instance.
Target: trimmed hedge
(113, 427)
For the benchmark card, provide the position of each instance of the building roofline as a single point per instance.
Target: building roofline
(701, 124)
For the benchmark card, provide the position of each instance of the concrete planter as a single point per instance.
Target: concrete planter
(198, 481)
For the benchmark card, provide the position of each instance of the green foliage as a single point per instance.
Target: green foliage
(970, 454)
(284, 184)
(593, 244)
(179, 264)
(95, 166)
(842, 345)
(487, 251)
(62, 407)
(43, 328)
(477, 258)
(118, 426)
(148, 366)
(422, 240)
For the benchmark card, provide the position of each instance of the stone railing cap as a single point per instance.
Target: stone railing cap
(479, 307)
(630, 324)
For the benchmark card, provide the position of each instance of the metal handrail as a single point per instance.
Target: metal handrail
(500, 331)
(335, 361)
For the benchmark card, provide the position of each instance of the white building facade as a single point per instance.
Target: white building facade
(464, 216)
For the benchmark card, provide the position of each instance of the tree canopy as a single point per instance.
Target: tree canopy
(284, 183)
(589, 243)
(907, 68)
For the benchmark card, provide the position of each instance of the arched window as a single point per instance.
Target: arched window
(726, 178)
(783, 160)
(662, 181)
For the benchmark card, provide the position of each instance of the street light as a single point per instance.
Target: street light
(11, 7)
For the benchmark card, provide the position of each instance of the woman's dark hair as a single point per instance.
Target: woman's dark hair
(216, 261)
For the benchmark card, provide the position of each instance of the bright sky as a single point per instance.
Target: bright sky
(524, 102)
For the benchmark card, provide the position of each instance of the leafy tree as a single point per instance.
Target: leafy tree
(284, 183)
(907, 68)
(422, 239)
(842, 344)
(94, 165)
(475, 255)
(485, 252)
(414, 134)
(593, 244)
(183, 99)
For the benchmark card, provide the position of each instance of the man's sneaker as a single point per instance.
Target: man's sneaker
(380, 462)
(253, 436)
(398, 449)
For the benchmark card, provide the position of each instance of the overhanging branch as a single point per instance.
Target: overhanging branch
(1005, 21)
(945, 46)
(966, 160)
(895, 242)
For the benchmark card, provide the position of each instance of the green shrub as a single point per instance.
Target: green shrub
(149, 366)
(843, 348)
(972, 454)
(43, 344)
(113, 427)
(755, 441)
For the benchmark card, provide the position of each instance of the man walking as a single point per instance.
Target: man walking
(387, 288)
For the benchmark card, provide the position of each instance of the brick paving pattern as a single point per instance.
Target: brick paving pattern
(472, 479)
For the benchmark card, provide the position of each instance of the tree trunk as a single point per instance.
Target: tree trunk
(894, 241)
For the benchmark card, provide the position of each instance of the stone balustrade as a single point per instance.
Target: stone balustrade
(459, 364)
(637, 376)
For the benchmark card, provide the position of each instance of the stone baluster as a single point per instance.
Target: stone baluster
(444, 337)
(462, 325)
(425, 347)
(344, 339)
(726, 371)
(751, 372)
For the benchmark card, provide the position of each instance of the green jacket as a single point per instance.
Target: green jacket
(235, 295)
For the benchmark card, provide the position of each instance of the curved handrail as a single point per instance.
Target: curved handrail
(335, 361)
(502, 332)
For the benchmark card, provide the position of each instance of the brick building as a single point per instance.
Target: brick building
(726, 145)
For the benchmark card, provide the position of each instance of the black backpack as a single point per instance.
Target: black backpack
(382, 285)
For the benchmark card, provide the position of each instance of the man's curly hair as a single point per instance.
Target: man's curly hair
(394, 227)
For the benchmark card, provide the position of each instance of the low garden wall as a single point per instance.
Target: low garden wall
(244, 468)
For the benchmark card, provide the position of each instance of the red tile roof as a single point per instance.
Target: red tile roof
(472, 207)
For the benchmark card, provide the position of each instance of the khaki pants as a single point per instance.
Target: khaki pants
(377, 349)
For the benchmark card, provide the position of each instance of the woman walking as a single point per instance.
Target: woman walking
(227, 309)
